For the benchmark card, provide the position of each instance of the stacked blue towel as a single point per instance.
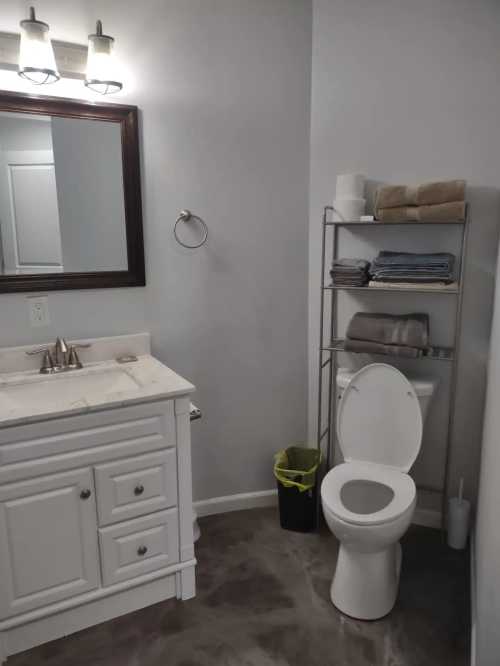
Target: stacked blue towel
(412, 267)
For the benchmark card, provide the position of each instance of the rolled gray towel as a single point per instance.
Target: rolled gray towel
(367, 347)
(410, 330)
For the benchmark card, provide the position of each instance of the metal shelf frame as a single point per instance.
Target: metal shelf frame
(406, 290)
(381, 223)
(330, 344)
(432, 354)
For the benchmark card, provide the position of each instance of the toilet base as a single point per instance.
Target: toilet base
(365, 585)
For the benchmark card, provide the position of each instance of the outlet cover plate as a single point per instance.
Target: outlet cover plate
(39, 311)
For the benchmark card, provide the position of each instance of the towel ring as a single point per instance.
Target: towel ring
(186, 216)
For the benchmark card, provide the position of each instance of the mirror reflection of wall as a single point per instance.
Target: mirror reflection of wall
(61, 195)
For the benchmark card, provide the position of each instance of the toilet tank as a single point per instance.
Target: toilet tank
(424, 387)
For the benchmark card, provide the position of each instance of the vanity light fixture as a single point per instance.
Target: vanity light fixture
(36, 57)
(101, 74)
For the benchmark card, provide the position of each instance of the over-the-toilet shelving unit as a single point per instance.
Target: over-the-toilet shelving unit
(330, 344)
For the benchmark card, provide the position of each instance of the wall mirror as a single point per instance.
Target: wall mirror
(70, 196)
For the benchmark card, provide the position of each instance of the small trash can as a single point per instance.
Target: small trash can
(295, 470)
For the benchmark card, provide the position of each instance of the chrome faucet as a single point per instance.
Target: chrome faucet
(60, 358)
(60, 353)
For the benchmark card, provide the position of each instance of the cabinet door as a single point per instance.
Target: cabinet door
(48, 541)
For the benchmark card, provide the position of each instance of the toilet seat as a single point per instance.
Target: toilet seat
(401, 484)
(379, 419)
(379, 429)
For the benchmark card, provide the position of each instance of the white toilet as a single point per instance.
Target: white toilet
(368, 501)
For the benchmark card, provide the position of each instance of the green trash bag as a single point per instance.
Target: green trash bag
(296, 467)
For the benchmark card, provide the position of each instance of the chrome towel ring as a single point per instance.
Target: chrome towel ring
(186, 216)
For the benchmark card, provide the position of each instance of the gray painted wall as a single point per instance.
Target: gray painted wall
(402, 91)
(18, 133)
(88, 165)
(224, 90)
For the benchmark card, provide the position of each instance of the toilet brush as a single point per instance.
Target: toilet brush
(458, 519)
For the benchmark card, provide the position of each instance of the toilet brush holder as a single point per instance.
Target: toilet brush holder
(458, 520)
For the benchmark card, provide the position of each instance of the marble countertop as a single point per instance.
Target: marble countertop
(27, 397)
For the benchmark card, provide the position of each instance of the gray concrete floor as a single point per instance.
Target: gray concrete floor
(263, 600)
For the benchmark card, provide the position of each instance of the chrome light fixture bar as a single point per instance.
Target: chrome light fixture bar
(36, 57)
(101, 64)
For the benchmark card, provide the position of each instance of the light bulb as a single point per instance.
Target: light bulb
(101, 64)
(36, 57)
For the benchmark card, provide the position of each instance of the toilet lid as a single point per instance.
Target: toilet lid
(379, 418)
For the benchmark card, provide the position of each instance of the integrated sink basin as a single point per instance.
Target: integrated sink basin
(34, 392)
(117, 372)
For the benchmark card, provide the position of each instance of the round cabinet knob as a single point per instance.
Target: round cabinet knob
(139, 489)
(85, 494)
(142, 550)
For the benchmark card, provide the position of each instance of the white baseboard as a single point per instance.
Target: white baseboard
(258, 499)
(473, 608)
(263, 498)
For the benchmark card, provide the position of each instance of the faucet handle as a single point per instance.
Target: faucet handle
(37, 350)
(73, 359)
(47, 366)
(74, 362)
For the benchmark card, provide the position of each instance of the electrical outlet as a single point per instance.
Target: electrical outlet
(39, 310)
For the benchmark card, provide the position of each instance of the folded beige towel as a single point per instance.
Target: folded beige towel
(453, 211)
(441, 192)
(400, 214)
(396, 196)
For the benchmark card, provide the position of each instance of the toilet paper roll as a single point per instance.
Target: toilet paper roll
(458, 522)
(350, 186)
(348, 210)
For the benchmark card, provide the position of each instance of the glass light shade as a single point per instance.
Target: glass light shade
(36, 57)
(102, 75)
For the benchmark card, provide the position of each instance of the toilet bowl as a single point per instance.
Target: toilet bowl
(369, 500)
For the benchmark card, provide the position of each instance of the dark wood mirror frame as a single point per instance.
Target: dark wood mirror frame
(128, 118)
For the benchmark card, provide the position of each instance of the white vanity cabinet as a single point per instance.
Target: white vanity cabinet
(95, 518)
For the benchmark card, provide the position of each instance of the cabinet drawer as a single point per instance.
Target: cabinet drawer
(136, 486)
(79, 441)
(139, 546)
